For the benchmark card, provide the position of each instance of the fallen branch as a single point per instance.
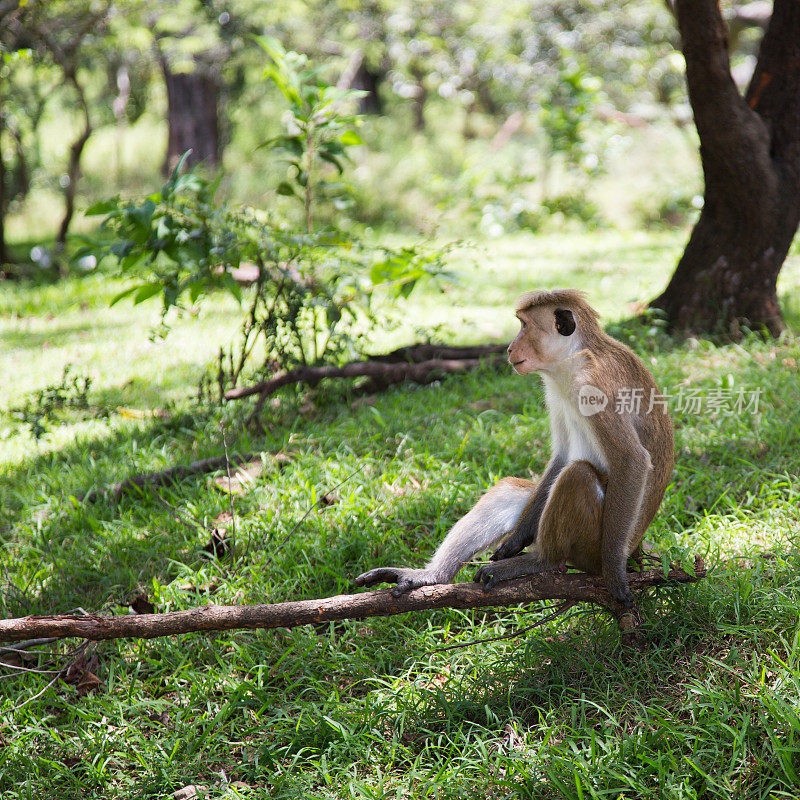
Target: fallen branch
(164, 477)
(427, 352)
(385, 374)
(579, 587)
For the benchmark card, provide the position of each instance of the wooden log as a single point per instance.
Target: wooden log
(545, 586)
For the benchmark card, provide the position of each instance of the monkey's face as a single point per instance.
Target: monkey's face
(547, 336)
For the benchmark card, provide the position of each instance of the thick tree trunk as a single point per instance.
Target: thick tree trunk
(750, 150)
(369, 81)
(192, 117)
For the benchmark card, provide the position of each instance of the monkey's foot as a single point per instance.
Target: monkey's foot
(618, 588)
(405, 578)
(495, 572)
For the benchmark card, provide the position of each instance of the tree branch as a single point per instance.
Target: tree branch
(421, 351)
(546, 586)
(382, 373)
(704, 42)
(773, 91)
(163, 477)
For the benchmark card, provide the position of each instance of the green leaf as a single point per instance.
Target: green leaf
(172, 184)
(195, 290)
(179, 166)
(331, 159)
(407, 287)
(332, 316)
(121, 249)
(232, 286)
(82, 252)
(145, 292)
(130, 261)
(286, 189)
(103, 207)
(123, 294)
(273, 48)
(350, 138)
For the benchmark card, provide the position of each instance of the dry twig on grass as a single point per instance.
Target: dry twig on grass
(419, 363)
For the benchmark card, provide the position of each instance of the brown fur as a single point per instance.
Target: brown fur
(574, 507)
(569, 522)
(606, 476)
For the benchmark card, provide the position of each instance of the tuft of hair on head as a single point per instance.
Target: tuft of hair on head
(574, 299)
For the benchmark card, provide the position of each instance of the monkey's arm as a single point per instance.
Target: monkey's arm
(492, 517)
(627, 482)
(527, 526)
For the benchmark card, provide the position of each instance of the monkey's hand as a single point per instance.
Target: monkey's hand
(492, 574)
(511, 547)
(405, 578)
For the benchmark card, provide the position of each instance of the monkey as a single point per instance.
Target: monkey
(611, 460)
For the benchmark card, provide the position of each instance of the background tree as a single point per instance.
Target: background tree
(25, 85)
(63, 33)
(750, 149)
(196, 44)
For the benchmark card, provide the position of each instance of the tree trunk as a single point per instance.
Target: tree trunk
(192, 116)
(369, 81)
(73, 172)
(420, 96)
(750, 151)
(3, 199)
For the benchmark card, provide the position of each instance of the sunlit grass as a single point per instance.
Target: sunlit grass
(707, 707)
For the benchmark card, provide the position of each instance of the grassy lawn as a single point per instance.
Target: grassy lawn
(709, 706)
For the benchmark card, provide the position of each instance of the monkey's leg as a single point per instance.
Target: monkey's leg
(569, 529)
(491, 518)
(527, 526)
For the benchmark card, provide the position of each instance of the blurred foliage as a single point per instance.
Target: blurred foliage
(313, 288)
(673, 211)
(441, 80)
(565, 112)
(471, 64)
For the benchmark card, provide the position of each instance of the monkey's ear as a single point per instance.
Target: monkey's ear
(565, 322)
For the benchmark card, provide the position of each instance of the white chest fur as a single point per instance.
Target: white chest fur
(571, 432)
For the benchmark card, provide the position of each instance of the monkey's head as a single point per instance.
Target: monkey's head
(554, 326)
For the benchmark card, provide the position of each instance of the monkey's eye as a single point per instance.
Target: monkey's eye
(565, 322)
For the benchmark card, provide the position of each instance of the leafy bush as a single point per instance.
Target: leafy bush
(677, 209)
(575, 206)
(313, 287)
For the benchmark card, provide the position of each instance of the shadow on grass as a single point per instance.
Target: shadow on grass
(78, 555)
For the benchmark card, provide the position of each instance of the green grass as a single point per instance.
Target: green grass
(708, 706)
